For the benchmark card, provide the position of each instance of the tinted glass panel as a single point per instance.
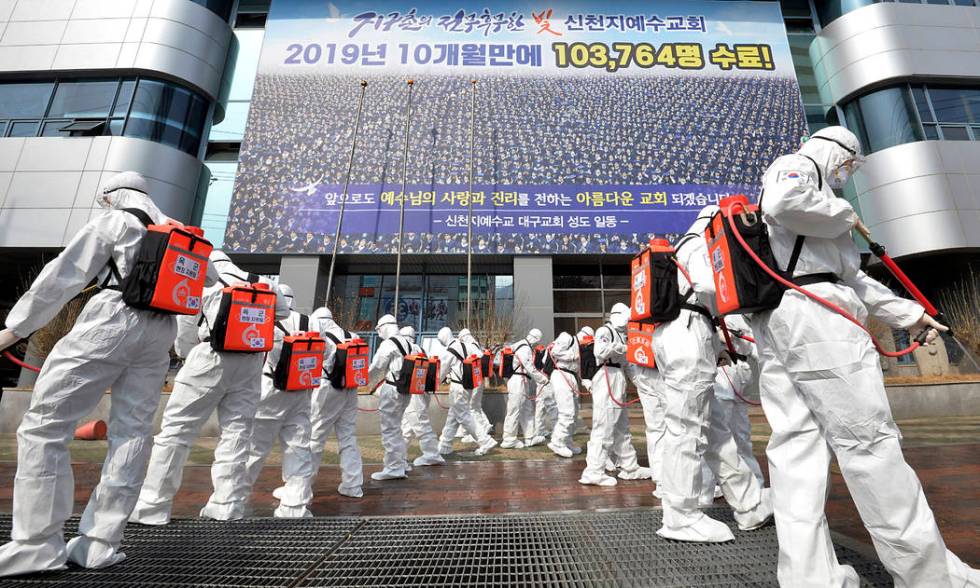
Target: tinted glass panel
(3, 128)
(89, 99)
(24, 129)
(955, 134)
(932, 132)
(919, 96)
(116, 127)
(888, 119)
(956, 105)
(24, 100)
(53, 128)
(168, 114)
(220, 7)
(578, 301)
(125, 98)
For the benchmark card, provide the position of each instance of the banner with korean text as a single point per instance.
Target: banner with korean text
(596, 124)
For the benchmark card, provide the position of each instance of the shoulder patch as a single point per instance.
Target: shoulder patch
(793, 176)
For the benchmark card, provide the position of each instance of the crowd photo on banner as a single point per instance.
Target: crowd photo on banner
(743, 269)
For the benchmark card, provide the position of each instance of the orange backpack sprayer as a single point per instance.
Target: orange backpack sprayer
(746, 278)
(654, 296)
(639, 344)
(587, 366)
(350, 362)
(301, 362)
(472, 365)
(169, 269)
(245, 319)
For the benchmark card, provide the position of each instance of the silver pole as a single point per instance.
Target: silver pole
(401, 213)
(343, 198)
(469, 199)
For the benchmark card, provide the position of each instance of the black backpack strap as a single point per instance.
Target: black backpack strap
(281, 327)
(394, 339)
(304, 322)
(113, 273)
(817, 167)
(794, 257)
(140, 214)
(332, 337)
(347, 335)
(453, 351)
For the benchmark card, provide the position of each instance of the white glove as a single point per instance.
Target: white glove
(7, 339)
(927, 322)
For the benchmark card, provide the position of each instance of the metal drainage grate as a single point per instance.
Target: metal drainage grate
(614, 548)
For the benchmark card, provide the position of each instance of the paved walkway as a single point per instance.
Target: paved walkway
(950, 475)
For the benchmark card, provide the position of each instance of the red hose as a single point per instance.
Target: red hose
(21, 363)
(808, 294)
(735, 390)
(375, 389)
(627, 404)
(436, 396)
(745, 337)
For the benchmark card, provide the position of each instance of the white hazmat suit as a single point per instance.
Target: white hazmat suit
(476, 399)
(729, 413)
(284, 415)
(610, 416)
(822, 387)
(226, 382)
(687, 351)
(653, 399)
(520, 386)
(460, 413)
(386, 366)
(334, 411)
(564, 384)
(111, 346)
(416, 422)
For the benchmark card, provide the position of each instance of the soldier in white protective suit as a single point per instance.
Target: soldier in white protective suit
(111, 346)
(284, 415)
(822, 387)
(223, 381)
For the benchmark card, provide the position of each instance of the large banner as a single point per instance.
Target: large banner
(594, 125)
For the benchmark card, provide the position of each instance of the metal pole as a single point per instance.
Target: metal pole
(469, 200)
(343, 198)
(401, 213)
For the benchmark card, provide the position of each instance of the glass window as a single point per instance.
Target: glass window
(887, 118)
(52, 128)
(83, 99)
(3, 128)
(921, 104)
(24, 100)
(167, 114)
(24, 128)
(220, 7)
(116, 127)
(576, 276)
(955, 133)
(932, 132)
(956, 105)
(962, 3)
(587, 301)
(125, 98)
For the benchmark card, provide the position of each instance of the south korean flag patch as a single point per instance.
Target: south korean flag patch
(795, 177)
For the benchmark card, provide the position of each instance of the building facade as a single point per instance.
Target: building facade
(92, 87)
